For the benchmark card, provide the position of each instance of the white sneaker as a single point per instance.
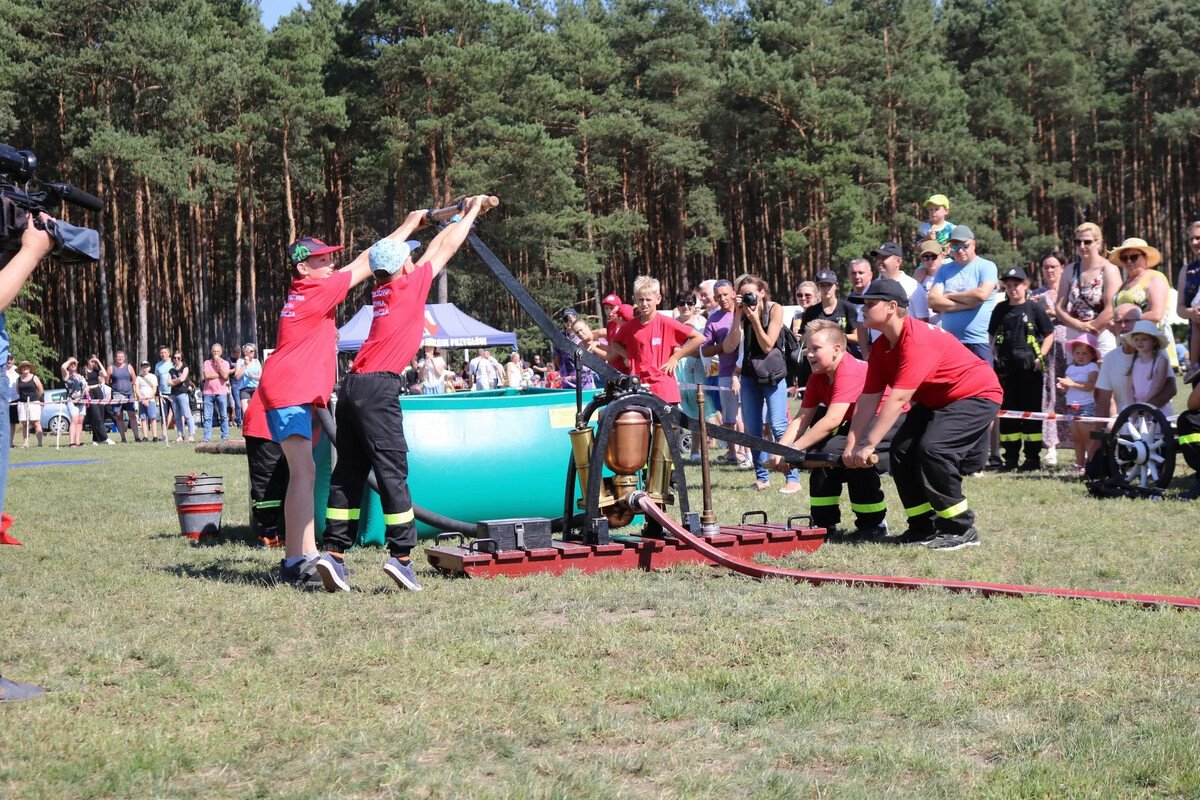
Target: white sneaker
(1050, 458)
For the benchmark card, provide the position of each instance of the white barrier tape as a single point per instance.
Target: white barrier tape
(1046, 415)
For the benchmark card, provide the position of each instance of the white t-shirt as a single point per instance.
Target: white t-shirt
(1080, 373)
(1114, 378)
(147, 387)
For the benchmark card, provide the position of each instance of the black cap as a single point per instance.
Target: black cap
(888, 249)
(825, 276)
(882, 289)
(1014, 274)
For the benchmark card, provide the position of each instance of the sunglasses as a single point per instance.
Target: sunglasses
(958, 248)
(1085, 242)
(802, 296)
(1129, 258)
(930, 257)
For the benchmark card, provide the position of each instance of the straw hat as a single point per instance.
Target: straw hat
(1150, 329)
(23, 365)
(1153, 256)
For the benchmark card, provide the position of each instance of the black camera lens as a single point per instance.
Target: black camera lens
(749, 299)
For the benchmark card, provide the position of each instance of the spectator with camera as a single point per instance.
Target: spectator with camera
(758, 323)
(76, 389)
(97, 394)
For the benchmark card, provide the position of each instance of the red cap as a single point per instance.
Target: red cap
(625, 312)
(612, 300)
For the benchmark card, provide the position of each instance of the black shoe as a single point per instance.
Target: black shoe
(872, 534)
(834, 534)
(912, 538)
(948, 542)
(303, 575)
(1192, 493)
(1029, 466)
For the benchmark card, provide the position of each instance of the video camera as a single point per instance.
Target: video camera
(23, 196)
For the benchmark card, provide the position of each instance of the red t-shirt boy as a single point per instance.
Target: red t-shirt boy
(653, 343)
(300, 374)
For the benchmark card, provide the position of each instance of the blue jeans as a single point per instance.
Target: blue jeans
(183, 414)
(775, 397)
(219, 401)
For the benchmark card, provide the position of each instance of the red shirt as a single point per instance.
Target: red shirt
(931, 361)
(303, 367)
(254, 421)
(649, 346)
(397, 324)
(844, 387)
(610, 330)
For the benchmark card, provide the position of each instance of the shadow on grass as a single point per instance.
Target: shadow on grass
(227, 570)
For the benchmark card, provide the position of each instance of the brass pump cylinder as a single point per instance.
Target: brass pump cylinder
(659, 481)
(629, 442)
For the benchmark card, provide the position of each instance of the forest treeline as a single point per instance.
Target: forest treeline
(680, 138)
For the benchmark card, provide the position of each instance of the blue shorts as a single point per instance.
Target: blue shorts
(290, 421)
(149, 411)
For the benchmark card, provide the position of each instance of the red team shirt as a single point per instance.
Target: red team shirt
(303, 367)
(397, 324)
(649, 346)
(254, 421)
(931, 361)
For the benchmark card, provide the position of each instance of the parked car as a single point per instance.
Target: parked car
(55, 418)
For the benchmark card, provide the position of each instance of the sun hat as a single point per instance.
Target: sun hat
(1153, 256)
(1150, 329)
(1087, 340)
(938, 200)
(23, 365)
(388, 256)
(308, 246)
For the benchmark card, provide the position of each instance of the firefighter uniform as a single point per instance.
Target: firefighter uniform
(1018, 332)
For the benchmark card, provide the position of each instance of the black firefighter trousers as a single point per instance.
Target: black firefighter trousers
(370, 434)
(930, 453)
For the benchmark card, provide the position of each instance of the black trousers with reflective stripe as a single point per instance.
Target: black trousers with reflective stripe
(268, 485)
(864, 485)
(370, 435)
(1022, 392)
(928, 455)
(1188, 427)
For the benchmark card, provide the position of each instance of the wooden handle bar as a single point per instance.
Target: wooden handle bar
(443, 214)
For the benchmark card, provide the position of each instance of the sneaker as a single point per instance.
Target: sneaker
(332, 572)
(948, 542)
(875, 533)
(302, 576)
(402, 574)
(834, 533)
(912, 538)
(1050, 458)
(1192, 493)
(790, 488)
(109, 441)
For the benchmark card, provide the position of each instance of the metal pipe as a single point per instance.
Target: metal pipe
(708, 519)
(641, 500)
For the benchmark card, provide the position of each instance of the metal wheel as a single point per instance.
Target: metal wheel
(58, 424)
(1141, 447)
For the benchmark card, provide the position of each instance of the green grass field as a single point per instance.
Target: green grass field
(181, 671)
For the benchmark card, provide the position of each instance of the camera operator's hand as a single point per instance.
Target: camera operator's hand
(38, 239)
(36, 244)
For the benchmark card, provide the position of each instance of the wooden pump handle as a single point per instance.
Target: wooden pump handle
(443, 214)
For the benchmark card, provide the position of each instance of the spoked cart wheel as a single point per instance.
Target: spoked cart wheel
(1141, 447)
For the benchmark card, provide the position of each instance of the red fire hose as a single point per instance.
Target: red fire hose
(640, 499)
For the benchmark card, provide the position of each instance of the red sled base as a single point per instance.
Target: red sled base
(740, 541)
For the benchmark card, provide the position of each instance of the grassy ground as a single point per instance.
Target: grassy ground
(183, 671)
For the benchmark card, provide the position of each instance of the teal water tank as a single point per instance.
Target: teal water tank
(474, 456)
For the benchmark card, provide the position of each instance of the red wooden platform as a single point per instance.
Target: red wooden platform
(739, 541)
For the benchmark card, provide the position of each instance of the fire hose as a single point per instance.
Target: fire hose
(641, 500)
